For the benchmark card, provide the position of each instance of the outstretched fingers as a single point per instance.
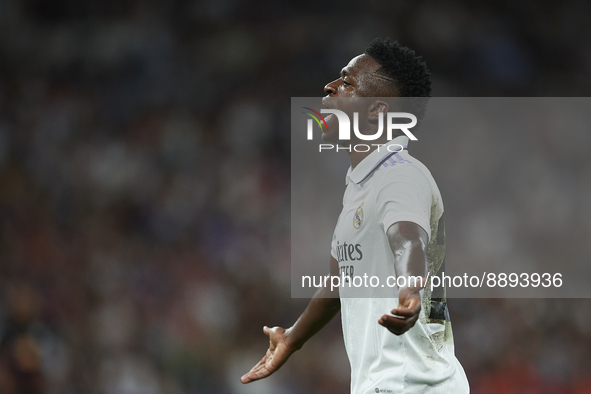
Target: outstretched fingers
(276, 355)
(257, 372)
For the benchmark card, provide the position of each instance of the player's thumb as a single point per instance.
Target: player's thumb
(266, 330)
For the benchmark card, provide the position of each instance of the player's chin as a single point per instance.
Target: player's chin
(330, 136)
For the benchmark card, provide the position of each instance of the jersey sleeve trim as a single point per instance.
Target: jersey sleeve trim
(332, 253)
(389, 220)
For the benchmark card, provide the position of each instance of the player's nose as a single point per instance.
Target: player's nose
(330, 87)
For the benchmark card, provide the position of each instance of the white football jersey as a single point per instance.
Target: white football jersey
(390, 186)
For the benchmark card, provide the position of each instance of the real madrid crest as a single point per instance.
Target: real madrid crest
(358, 217)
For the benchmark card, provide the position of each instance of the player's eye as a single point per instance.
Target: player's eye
(346, 83)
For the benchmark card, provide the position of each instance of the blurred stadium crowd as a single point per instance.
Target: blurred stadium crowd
(144, 187)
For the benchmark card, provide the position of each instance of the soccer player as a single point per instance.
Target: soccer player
(391, 224)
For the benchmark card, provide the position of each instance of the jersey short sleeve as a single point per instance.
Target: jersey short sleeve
(404, 195)
(333, 246)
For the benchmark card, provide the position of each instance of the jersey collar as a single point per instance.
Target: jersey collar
(374, 159)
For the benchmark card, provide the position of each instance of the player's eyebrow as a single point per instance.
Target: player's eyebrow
(345, 73)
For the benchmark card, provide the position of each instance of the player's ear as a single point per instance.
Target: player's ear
(376, 108)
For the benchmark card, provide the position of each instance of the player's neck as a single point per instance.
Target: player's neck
(356, 157)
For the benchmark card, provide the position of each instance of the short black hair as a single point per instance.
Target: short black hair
(409, 73)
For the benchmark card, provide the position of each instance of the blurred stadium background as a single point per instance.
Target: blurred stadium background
(144, 187)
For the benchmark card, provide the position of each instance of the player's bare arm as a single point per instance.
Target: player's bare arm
(408, 242)
(322, 308)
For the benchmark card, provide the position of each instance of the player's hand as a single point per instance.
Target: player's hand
(407, 313)
(277, 354)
